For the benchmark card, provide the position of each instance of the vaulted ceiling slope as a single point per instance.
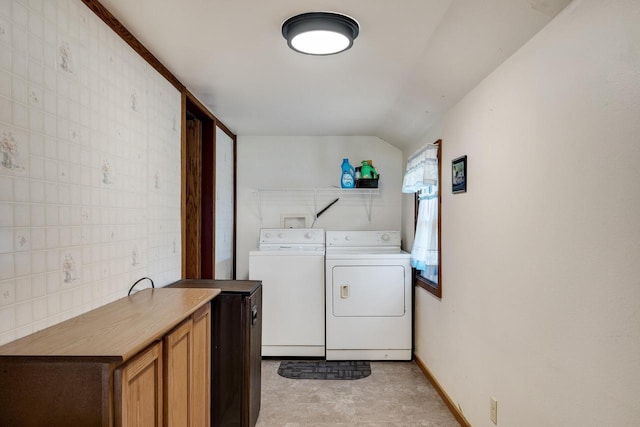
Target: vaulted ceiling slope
(412, 61)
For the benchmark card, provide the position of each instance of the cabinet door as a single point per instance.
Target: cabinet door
(178, 354)
(201, 386)
(138, 389)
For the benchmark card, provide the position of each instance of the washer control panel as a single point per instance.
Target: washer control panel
(291, 237)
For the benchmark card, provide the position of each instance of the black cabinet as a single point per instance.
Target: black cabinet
(236, 350)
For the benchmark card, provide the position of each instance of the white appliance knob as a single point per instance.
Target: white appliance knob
(267, 235)
(347, 238)
(308, 235)
(281, 235)
(385, 237)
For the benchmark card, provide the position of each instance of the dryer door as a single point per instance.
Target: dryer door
(368, 290)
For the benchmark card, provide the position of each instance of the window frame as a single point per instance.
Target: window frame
(418, 280)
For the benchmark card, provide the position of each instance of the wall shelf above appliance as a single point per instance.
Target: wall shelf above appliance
(315, 193)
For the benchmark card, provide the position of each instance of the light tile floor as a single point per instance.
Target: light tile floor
(395, 394)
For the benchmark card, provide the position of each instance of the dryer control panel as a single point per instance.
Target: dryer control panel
(363, 239)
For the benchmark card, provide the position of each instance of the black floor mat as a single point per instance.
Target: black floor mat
(324, 369)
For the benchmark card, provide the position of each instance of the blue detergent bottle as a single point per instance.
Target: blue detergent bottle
(348, 173)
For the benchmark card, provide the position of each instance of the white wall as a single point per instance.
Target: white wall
(311, 162)
(541, 280)
(89, 166)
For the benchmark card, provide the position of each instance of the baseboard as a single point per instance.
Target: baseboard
(457, 413)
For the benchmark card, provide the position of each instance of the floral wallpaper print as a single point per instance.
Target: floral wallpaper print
(135, 257)
(69, 268)
(74, 133)
(106, 172)
(10, 153)
(34, 98)
(65, 59)
(134, 102)
(4, 34)
(22, 241)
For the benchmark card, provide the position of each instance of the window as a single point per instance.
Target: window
(424, 173)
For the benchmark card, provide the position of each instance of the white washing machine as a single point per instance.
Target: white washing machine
(290, 263)
(368, 296)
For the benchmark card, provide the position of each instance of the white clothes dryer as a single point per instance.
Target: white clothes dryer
(368, 296)
(290, 264)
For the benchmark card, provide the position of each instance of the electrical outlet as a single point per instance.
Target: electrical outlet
(493, 410)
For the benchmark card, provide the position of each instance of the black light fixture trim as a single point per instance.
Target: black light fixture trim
(320, 21)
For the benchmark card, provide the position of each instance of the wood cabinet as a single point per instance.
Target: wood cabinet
(201, 386)
(178, 352)
(139, 389)
(123, 364)
(187, 358)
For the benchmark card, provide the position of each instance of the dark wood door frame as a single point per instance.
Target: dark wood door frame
(200, 209)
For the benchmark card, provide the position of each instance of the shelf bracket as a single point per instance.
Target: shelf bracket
(259, 206)
(370, 206)
(315, 205)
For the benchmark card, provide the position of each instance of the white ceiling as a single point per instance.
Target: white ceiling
(412, 61)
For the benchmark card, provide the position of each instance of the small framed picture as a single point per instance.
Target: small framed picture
(459, 175)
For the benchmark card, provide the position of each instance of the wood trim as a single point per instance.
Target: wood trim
(453, 408)
(226, 130)
(96, 7)
(199, 105)
(183, 181)
(235, 203)
(208, 201)
(193, 199)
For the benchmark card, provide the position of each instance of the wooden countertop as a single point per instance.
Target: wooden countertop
(116, 331)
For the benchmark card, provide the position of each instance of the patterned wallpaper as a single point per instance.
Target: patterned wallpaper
(89, 166)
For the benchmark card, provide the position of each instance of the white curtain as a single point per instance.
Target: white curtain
(422, 170)
(424, 255)
(422, 177)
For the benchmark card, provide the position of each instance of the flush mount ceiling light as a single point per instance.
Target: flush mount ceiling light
(320, 33)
